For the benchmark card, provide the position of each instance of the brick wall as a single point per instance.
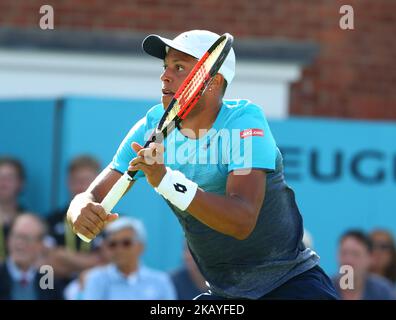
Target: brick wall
(352, 77)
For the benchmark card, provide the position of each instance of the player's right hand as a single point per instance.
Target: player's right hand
(90, 219)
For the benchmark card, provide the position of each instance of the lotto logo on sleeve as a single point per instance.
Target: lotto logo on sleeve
(251, 133)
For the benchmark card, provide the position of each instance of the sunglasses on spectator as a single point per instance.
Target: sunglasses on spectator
(124, 243)
(383, 246)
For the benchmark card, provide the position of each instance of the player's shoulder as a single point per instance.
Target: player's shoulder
(237, 110)
(236, 107)
(155, 113)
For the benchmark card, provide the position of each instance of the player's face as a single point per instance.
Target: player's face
(177, 66)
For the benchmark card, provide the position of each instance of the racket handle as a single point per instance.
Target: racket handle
(116, 192)
(83, 238)
(113, 196)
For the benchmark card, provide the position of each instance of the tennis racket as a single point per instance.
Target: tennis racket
(184, 100)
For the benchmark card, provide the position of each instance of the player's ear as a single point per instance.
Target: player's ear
(217, 82)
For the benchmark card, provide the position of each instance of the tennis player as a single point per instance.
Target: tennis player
(222, 175)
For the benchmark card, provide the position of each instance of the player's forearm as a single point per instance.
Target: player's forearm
(93, 194)
(228, 214)
(96, 192)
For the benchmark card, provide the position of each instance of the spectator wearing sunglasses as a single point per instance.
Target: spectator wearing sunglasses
(125, 278)
(383, 254)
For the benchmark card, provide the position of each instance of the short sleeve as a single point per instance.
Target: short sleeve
(251, 145)
(125, 152)
(139, 133)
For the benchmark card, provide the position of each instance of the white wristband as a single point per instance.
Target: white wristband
(176, 188)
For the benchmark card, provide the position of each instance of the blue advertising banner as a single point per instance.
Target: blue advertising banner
(344, 176)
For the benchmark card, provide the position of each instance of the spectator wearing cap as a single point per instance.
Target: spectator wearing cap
(19, 275)
(355, 251)
(125, 278)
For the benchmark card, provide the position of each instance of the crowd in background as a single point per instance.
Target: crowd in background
(110, 267)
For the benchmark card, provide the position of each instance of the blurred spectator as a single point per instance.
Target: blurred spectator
(19, 275)
(355, 251)
(74, 290)
(12, 178)
(72, 255)
(188, 280)
(383, 260)
(125, 278)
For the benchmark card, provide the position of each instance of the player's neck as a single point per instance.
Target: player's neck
(195, 125)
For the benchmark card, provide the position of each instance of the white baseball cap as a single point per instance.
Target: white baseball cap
(194, 43)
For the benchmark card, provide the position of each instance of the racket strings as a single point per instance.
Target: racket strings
(198, 83)
(183, 113)
(194, 85)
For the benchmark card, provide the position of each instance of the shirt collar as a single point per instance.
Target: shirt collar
(17, 274)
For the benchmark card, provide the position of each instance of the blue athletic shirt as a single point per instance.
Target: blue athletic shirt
(240, 138)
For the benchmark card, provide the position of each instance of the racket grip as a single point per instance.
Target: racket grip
(116, 192)
(83, 238)
(112, 197)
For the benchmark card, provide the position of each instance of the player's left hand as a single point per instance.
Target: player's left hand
(150, 160)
